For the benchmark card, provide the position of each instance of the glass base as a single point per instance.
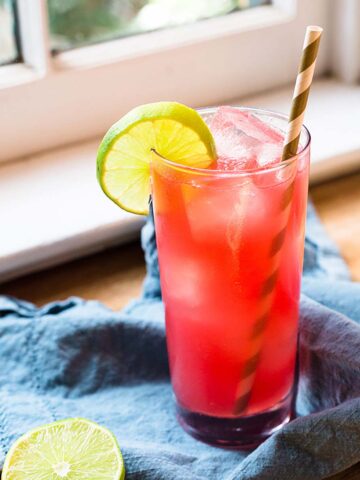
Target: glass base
(243, 433)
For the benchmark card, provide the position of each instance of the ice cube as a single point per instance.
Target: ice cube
(247, 123)
(229, 164)
(184, 278)
(268, 154)
(243, 141)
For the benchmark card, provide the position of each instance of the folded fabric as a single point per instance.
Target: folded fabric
(78, 358)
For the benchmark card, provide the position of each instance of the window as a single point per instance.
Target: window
(83, 22)
(8, 36)
(73, 95)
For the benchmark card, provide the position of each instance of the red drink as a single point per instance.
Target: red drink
(230, 248)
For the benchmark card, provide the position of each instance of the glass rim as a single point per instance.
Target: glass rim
(250, 171)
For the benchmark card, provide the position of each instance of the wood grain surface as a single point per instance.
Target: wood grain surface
(338, 205)
(115, 276)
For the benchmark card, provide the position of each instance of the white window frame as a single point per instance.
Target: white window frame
(54, 100)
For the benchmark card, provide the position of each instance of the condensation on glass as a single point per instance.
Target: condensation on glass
(8, 31)
(82, 22)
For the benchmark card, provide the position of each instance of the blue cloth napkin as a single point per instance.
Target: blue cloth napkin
(78, 358)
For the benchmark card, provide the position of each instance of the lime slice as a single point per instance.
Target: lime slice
(176, 132)
(72, 449)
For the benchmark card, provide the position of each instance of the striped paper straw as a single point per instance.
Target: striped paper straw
(301, 91)
(265, 304)
(300, 97)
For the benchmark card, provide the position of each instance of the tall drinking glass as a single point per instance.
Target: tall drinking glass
(230, 252)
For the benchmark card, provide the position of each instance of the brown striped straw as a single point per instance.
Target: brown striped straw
(300, 97)
(302, 89)
(267, 290)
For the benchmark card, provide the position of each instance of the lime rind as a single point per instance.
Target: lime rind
(58, 450)
(175, 131)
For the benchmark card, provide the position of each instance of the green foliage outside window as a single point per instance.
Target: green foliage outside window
(78, 22)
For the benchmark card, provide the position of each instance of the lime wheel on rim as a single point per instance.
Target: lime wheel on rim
(175, 131)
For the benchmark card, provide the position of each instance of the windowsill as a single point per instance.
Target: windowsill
(52, 209)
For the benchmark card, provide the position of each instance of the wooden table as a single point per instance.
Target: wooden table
(115, 276)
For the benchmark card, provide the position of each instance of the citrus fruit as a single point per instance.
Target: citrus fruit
(175, 131)
(72, 449)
